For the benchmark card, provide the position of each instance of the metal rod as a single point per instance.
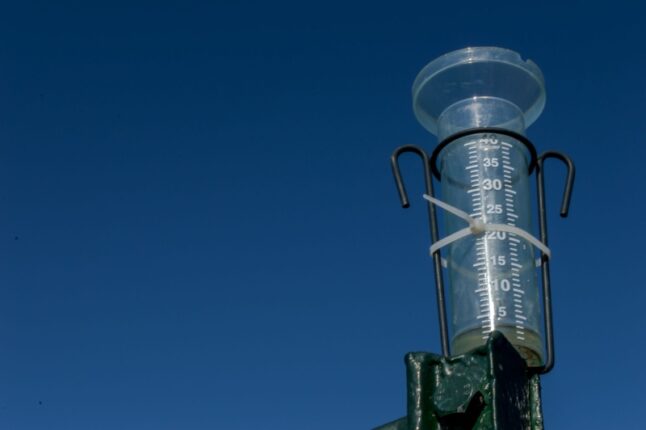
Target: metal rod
(437, 260)
(565, 206)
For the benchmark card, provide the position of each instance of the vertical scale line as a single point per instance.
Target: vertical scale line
(489, 143)
(481, 287)
(512, 243)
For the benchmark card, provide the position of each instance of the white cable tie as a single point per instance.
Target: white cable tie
(450, 239)
(476, 226)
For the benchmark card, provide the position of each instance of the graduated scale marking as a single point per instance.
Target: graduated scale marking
(489, 265)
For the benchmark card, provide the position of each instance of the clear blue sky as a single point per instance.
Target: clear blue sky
(199, 229)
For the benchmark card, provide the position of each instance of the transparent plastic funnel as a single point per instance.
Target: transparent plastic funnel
(492, 276)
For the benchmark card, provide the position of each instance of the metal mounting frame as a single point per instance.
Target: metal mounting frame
(536, 162)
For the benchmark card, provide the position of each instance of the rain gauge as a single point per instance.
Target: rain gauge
(479, 103)
(492, 274)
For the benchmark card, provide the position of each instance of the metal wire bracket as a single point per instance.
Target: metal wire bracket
(430, 169)
(545, 267)
(437, 260)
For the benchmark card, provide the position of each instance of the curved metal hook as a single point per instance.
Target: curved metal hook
(437, 261)
(394, 164)
(569, 182)
(542, 218)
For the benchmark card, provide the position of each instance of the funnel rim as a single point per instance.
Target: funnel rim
(474, 55)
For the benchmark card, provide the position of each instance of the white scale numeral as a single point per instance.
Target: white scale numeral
(490, 162)
(491, 184)
(501, 284)
(498, 260)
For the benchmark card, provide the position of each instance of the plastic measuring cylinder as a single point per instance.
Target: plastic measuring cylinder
(492, 276)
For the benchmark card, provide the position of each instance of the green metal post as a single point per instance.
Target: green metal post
(488, 388)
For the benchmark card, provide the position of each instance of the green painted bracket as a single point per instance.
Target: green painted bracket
(488, 388)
